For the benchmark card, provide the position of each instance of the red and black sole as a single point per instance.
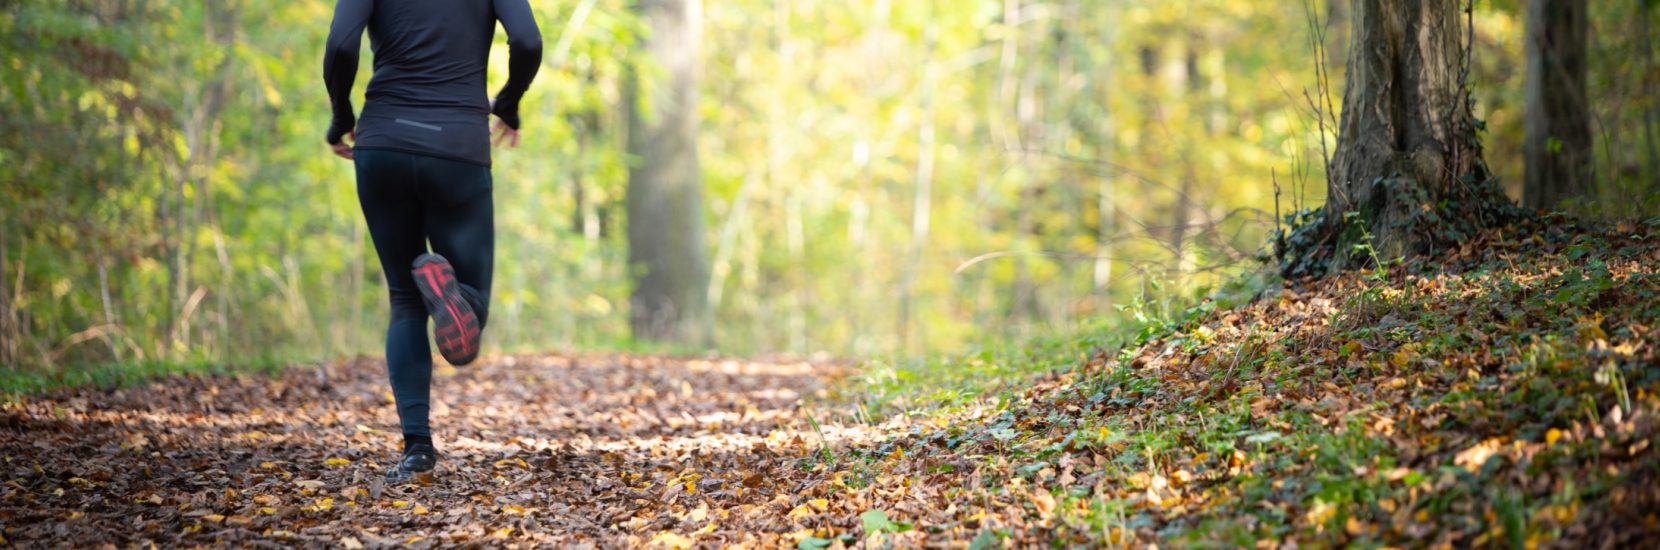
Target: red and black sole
(455, 325)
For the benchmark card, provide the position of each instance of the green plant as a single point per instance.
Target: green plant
(829, 454)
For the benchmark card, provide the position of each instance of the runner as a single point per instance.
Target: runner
(423, 173)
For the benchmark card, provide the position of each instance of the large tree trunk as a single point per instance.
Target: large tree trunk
(1558, 147)
(665, 193)
(1405, 125)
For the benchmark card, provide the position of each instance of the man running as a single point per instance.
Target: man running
(423, 173)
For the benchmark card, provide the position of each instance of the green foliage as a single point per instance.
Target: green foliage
(166, 198)
(1301, 244)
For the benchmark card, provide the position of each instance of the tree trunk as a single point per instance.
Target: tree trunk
(1405, 126)
(8, 342)
(665, 193)
(922, 204)
(1106, 207)
(1558, 148)
(1651, 114)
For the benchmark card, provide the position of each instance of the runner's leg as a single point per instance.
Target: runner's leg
(386, 188)
(460, 222)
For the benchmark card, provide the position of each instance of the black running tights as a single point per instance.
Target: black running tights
(408, 201)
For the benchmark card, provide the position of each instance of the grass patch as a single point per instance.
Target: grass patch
(18, 384)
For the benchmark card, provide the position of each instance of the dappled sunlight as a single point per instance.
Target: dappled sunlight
(541, 446)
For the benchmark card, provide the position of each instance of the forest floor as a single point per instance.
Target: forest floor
(1504, 394)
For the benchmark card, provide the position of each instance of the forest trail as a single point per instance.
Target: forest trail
(604, 449)
(1504, 394)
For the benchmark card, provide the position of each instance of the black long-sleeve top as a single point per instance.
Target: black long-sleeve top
(427, 95)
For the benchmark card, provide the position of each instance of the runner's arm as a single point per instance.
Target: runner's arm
(340, 62)
(524, 45)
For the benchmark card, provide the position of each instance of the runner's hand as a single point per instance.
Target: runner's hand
(504, 133)
(344, 149)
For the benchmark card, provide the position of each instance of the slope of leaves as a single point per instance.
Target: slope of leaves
(1501, 394)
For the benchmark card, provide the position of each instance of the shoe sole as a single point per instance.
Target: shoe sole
(399, 475)
(454, 324)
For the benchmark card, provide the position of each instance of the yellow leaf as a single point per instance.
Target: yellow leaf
(1044, 501)
(400, 503)
(670, 540)
(699, 514)
(1552, 436)
(819, 504)
(267, 465)
(192, 528)
(710, 528)
(214, 518)
(505, 531)
(1355, 527)
(268, 510)
(367, 430)
(73, 515)
(512, 509)
(337, 462)
(799, 535)
(685, 388)
(420, 510)
(411, 540)
(799, 512)
(351, 543)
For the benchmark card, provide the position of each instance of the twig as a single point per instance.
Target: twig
(1322, 82)
(1279, 234)
(1453, 120)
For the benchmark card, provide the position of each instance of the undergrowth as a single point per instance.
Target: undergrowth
(1500, 393)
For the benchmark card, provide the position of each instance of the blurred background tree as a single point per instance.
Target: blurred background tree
(876, 176)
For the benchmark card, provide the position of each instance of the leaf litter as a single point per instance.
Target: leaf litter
(599, 450)
(1501, 394)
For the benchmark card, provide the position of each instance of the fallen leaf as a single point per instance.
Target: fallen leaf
(1044, 501)
(671, 540)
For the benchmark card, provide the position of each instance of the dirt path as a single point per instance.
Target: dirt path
(540, 450)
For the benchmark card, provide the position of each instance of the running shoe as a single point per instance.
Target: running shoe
(419, 457)
(454, 324)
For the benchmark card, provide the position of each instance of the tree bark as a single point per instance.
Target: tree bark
(1558, 147)
(1405, 125)
(1651, 114)
(666, 253)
